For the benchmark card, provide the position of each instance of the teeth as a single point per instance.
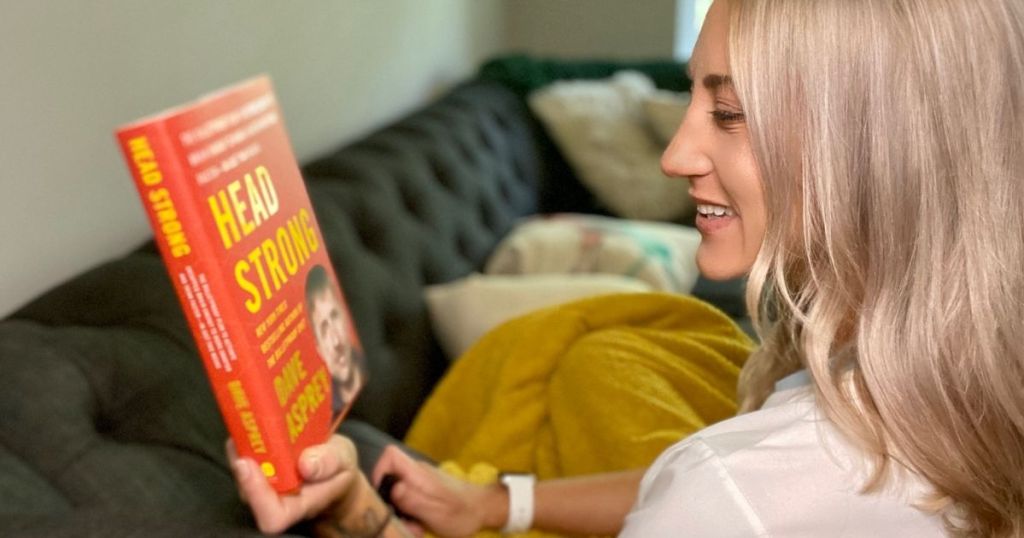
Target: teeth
(709, 210)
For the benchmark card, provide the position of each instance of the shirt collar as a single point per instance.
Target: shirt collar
(797, 379)
(796, 386)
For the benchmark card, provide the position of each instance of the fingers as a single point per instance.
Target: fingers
(424, 503)
(273, 514)
(446, 505)
(329, 471)
(420, 489)
(233, 462)
(414, 528)
(443, 504)
(393, 461)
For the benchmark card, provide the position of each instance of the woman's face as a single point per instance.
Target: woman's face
(712, 150)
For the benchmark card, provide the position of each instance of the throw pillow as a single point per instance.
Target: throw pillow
(664, 111)
(463, 310)
(660, 254)
(601, 128)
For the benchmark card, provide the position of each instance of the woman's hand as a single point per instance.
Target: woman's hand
(330, 474)
(441, 503)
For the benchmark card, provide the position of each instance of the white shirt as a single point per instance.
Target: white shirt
(783, 470)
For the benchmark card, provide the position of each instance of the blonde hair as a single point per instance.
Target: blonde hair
(890, 139)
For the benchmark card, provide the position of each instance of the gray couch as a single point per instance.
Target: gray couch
(108, 425)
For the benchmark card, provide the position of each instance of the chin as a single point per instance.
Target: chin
(715, 268)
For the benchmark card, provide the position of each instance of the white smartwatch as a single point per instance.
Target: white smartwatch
(520, 501)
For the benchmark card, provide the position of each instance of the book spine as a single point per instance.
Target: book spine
(228, 355)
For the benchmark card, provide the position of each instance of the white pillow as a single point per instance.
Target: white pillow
(661, 254)
(601, 127)
(665, 111)
(463, 310)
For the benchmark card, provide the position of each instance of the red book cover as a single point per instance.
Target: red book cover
(236, 230)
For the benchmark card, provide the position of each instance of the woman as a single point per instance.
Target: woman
(867, 159)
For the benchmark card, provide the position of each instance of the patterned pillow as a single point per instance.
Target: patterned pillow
(660, 254)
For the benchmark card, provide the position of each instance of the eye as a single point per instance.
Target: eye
(727, 118)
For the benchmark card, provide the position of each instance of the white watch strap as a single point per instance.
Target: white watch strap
(520, 502)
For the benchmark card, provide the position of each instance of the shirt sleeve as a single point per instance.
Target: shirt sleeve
(690, 492)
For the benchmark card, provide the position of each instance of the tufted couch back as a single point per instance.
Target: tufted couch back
(105, 407)
(425, 201)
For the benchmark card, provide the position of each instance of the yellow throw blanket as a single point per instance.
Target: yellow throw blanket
(597, 385)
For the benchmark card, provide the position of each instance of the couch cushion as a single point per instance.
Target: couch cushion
(105, 402)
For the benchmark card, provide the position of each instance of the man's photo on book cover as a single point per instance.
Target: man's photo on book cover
(335, 340)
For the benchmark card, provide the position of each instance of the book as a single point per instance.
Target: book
(236, 230)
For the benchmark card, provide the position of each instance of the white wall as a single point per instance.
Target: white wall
(72, 71)
(633, 29)
(689, 19)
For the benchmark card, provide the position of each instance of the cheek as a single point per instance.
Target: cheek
(731, 253)
(755, 222)
(742, 181)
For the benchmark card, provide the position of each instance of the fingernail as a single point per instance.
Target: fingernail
(241, 469)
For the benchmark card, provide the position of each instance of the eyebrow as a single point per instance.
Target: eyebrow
(715, 81)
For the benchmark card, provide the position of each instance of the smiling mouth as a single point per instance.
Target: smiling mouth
(715, 211)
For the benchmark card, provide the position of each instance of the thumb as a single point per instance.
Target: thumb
(323, 462)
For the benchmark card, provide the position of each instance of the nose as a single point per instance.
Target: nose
(686, 155)
(337, 339)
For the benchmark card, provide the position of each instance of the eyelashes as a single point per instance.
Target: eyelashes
(727, 118)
